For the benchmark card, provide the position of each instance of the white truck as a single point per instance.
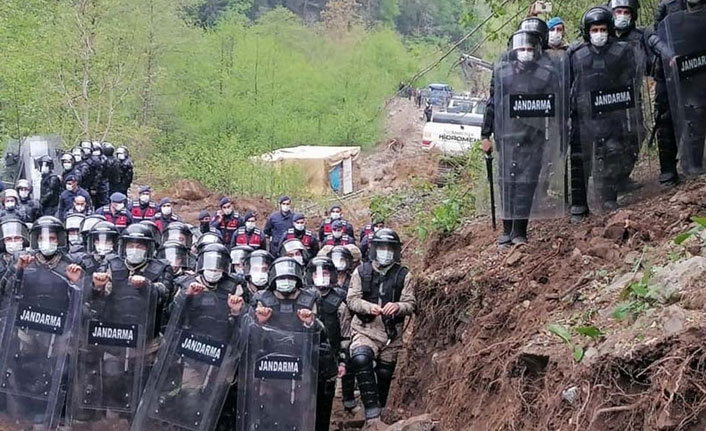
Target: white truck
(452, 134)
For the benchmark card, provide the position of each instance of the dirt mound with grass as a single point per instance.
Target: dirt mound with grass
(593, 326)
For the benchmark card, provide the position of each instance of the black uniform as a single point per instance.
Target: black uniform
(49, 193)
(126, 173)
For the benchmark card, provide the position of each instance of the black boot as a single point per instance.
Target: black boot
(506, 237)
(384, 372)
(519, 231)
(578, 213)
(348, 389)
(324, 404)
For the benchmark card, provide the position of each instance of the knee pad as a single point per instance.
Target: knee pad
(362, 358)
(385, 370)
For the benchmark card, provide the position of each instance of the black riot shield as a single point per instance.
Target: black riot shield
(531, 136)
(686, 83)
(609, 110)
(37, 343)
(116, 350)
(277, 381)
(196, 367)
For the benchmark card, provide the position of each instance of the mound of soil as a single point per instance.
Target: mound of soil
(479, 354)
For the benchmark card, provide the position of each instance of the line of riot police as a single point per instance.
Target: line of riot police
(551, 104)
(148, 326)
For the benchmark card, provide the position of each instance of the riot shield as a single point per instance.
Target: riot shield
(38, 340)
(195, 369)
(278, 380)
(116, 350)
(531, 136)
(686, 83)
(609, 113)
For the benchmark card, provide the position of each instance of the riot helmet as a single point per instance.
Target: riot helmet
(286, 275)
(385, 247)
(154, 229)
(67, 162)
(210, 237)
(593, 16)
(10, 199)
(122, 153)
(538, 26)
(103, 238)
(341, 258)
(45, 164)
(108, 149)
(295, 249)
(177, 254)
(88, 223)
(86, 149)
(212, 262)
(238, 257)
(96, 149)
(47, 236)
(77, 154)
(73, 228)
(15, 236)
(137, 244)
(632, 5)
(178, 231)
(321, 273)
(257, 267)
(525, 46)
(24, 188)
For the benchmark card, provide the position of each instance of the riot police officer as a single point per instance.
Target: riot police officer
(50, 188)
(68, 165)
(342, 259)
(606, 112)
(333, 313)
(101, 242)
(238, 257)
(31, 207)
(11, 209)
(178, 256)
(111, 167)
(381, 295)
(45, 297)
(125, 168)
(295, 249)
(257, 271)
(179, 232)
(73, 224)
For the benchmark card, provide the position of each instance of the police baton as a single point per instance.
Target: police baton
(489, 167)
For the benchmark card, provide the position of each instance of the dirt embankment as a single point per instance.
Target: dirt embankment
(480, 356)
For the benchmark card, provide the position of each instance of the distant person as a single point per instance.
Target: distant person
(277, 224)
(427, 112)
(556, 34)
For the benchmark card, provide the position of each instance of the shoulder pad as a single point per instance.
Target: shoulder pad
(117, 267)
(335, 297)
(308, 232)
(307, 298)
(257, 231)
(155, 268)
(267, 298)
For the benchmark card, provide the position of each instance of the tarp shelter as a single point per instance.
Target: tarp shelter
(326, 168)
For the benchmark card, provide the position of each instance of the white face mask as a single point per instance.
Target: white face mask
(599, 39)
(228, 211)
(104, 248)
(67, 166)
(525, 56)
(285, 208)
(299, 226)
(299, 259)
(167, 211)
(322, 280)
(77, 157)
(555, 38)
(24, 194)
(96, 153)
(340, 264)
(135, 256)
(79, 208)
(285, 285)
(144, 198)
(337, 234)
(259, 279)
(119, 207)
(14, 246)
(384, 257)
(212, 275)
(335, 216)
(249, 225)
(10, 205)
(75, 238)
(622, 22)
(48, 248)
(121, 156)
(69, 187)
(45, 169)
